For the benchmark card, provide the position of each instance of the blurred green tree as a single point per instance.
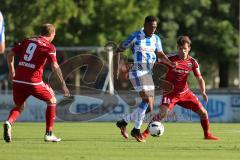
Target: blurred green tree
(98, 22)
(213, 25)
(23, 18)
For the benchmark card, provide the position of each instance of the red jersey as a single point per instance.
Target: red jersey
(33, 53)
(178, 76)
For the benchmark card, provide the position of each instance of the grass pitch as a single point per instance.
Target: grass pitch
(102, 141)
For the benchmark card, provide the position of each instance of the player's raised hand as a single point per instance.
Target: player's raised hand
(205, 97)
(174, 64)
(12, 75)
(65, 91)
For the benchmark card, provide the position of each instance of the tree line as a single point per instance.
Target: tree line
(213, 26)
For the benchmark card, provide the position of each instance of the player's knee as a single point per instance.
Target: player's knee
(146, 100)
(150, 102)
(203, 113)
(145, 96)
(163, 110)
(149, 109)
(162, 114)
(52, 101)
(21, 107)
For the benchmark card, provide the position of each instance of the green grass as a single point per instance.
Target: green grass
(102, 141)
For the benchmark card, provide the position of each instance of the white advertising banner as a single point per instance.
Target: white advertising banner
(221, 108)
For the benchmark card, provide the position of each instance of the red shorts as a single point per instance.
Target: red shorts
(187, 100)
(22, 91)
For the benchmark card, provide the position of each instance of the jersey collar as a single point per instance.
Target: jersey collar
(188, 57)
(143, 33)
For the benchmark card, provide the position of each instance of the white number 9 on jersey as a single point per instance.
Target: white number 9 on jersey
(30, 51)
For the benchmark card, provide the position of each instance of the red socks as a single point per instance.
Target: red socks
(50, 117)
(205, 126)
(14, 114)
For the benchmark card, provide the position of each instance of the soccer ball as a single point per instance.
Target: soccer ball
(156, 129)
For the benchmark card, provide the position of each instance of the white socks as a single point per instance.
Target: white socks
(130, 117)
(138, 115)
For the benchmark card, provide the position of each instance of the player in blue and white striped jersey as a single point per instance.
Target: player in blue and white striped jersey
(146, 47)
(2, 34)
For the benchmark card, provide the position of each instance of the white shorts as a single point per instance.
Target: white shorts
(142, 83)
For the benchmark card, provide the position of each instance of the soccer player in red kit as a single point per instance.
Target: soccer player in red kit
(33, 53)
(181, 94)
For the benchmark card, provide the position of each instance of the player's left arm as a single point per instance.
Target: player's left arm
(161, 55)
(51, 56)
(164, 59)
(201, 82)
(202, 87)
(56, 69)
(16, 50)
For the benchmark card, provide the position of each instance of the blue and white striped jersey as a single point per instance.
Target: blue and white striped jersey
(143, 50)
(2, 35)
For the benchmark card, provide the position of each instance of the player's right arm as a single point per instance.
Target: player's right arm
(10, 58)
(10, 61)
(127, 42)
(121, 48)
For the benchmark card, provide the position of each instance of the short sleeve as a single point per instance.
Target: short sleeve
(158, 44)
(2, 29)
(51, 55)
(127, 42)
(196, 69)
